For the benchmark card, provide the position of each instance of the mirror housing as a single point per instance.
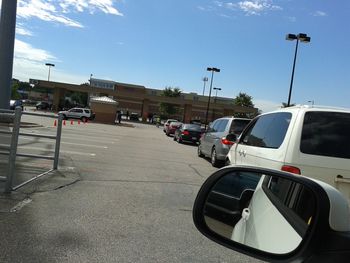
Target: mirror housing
(320, 241)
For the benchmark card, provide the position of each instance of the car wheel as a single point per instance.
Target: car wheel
(174, 138)
(213, 159)
(84, 119)
(179, 140)
(199, 151)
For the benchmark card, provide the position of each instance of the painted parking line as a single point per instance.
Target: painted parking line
(52, 151)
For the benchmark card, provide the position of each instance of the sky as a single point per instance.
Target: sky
(160, 43)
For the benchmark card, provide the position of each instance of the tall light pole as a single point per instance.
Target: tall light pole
(7, 43)
(216, 95)
(211, 85)
(205, 79)
(303, 38)
(49, 65)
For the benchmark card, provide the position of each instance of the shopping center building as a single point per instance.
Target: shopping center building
(145, 101)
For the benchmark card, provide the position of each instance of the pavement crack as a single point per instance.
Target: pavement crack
(66, 185)
(195, 170)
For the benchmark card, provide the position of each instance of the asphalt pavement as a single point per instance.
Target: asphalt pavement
(121, 194)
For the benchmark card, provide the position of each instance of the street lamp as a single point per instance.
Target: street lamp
(312, 102)
(303, 38)
(216, 95)
(205, 79)
(49, 65)
(211, 85)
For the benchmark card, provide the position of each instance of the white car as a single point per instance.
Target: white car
(78, 113)
(306, 140)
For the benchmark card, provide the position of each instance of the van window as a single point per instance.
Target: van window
(268, 131)
(222, 125)
(326, 134)
(237, 126)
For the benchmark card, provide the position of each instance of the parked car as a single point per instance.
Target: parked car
(134, 116)
(43, 105)
(214, 143)
(167, 123)
(16, 103)
(173, 126)
(78, 113)
(307, 140)
(188, 133)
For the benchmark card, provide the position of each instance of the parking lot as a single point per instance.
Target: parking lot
(121, 194)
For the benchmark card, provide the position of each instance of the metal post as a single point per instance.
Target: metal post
(7, 42)
(13, 150)
(291, 81)
(58, 141)
(211, 84)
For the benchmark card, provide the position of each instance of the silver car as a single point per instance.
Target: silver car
(214, 143)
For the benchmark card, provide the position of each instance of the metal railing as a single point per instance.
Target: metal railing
(14, 117)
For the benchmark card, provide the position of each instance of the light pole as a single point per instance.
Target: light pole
(49, 65)
(211, 85)
(7, 42)
(312, 102)
(216, 95)
(205, 79)
(303, 38)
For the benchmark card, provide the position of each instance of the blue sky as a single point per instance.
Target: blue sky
(171, 43)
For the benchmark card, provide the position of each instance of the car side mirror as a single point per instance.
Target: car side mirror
(231, 137)
(273, 216)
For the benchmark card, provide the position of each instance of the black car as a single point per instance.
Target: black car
(134, 116)
(188, 133)
(43, 105)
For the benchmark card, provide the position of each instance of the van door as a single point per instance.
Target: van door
(261, 143)
(208, 138)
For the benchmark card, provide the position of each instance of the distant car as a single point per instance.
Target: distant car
(214, 143)
(15, 103)
(167, 123)
(188, 133)
(134, 116)
(43, 105)
(78, 113)
(173, 126)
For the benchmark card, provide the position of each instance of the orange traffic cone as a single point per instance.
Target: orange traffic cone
(71, 122)
(64, 122)
(55, 123)
(78, 122)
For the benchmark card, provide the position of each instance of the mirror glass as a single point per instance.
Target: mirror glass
(262, 211)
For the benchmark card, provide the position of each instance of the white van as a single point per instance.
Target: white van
(307, 140)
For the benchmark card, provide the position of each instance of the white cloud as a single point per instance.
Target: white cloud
(21, 30)
(25, 51)
(319, 13)
(57, 11)
(29, 62)
(251, 7)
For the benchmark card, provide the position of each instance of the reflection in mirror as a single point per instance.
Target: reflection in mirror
(262, 211)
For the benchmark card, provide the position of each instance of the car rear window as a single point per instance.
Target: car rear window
(326, 134)
(237, 126)
(193, 127)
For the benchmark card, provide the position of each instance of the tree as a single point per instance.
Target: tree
(14, 91)
(168, 109)
(244, 100)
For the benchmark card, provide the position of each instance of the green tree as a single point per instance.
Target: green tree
(245, 100)
(168, 109)
(14, 92)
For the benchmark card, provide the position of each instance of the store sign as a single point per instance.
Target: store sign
(102, 84)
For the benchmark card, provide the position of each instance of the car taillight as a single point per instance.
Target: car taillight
(226, 142)
(291, 169)
(185, 133)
